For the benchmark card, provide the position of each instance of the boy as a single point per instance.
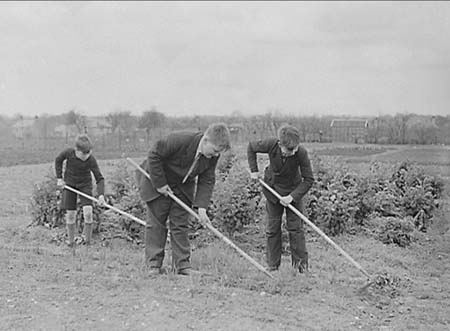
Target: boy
(286, 158)
(79, 164)
(184, 164)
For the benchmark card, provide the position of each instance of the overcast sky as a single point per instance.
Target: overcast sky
(195, 58)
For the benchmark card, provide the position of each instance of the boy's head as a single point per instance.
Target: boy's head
(83, 143)
(215, 140)
(289, 138)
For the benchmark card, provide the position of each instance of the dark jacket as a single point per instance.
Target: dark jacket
(169, 161)
(291, 175)
(78, 172)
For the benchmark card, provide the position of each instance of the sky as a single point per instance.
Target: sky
(196, 58)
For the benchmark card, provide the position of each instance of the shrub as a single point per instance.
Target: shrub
(332, 202)
(396, 231)
(235, 200)
(125, 196)
(224, 164)
(340, 200)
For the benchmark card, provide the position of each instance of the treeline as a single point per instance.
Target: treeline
(124, 128)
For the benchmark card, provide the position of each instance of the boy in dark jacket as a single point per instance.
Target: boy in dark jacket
(79, 165)
(289, 173)
(184, 164)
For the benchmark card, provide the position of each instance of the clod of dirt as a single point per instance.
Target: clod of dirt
(383, 285)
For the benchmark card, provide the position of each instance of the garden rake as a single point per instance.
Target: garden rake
(323, 235)
(208, 225)
(134, 218)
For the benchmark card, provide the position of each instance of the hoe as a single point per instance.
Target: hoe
(371, 279)
(208, 225)
(187, 208)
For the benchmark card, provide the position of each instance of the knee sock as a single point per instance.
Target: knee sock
(88, 232)
(70, 223)
(87, 214)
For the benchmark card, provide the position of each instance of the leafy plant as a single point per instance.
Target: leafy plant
(396, 231)
(340, 200)
(235, 200)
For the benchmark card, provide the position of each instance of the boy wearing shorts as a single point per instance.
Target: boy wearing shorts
(79, 164)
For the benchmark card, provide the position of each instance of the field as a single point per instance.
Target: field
(44, 287)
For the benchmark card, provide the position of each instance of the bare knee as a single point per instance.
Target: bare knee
(71, 216)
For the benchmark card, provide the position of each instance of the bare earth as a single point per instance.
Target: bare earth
(44, 287)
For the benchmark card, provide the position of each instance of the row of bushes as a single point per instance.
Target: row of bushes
(401, 198)
(340, 198)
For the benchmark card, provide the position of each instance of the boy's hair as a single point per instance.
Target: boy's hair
(219, 135)
(83, 143)
(289, 136)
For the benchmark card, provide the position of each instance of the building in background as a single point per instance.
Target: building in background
(97, 126)
(349, 130)
(24, 128)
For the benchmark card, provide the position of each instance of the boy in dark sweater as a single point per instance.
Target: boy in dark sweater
(289, 173)
(79, 165)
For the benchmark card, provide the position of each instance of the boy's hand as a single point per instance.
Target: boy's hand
(101, 201)
(254, 175)
(203, 216)
(285, 201)
(164, 190)
(60, 182)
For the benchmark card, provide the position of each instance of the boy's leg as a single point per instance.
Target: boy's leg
(88, 215)
(156, 231)
(273, 233)
(88, 222)
(71, 216)
(179, 238)
(69, 203)
(295, 228)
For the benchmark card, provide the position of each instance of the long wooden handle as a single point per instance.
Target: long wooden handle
(208, 225)
(315, 228)
(134, 218)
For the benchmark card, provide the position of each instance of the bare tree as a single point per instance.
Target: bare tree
(120, 120)
(152, 119)
(121, 123)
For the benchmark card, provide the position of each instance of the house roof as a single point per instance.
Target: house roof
(346, 123)
(426, 121)
(97, 122)
(25, 123)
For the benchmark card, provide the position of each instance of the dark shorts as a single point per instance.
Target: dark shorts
(69, 198)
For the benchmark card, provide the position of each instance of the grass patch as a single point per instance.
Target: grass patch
(351, 151)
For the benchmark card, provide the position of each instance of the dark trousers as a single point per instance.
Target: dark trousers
(160, 210)
(294, 226)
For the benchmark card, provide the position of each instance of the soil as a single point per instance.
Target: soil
(44, 286)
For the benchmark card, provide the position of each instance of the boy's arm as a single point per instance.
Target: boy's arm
(59, 163)
(258, 146)
(99, 179)
(205, 186)
(307, 174)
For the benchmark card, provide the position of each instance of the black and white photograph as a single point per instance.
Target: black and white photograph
(225, 165)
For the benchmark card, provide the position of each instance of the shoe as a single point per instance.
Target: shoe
(303, 266)
(187, 272)
(271, 269)
(154, 271)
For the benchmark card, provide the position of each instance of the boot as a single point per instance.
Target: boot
(88, 232)
(71, 234)
(303, 265)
